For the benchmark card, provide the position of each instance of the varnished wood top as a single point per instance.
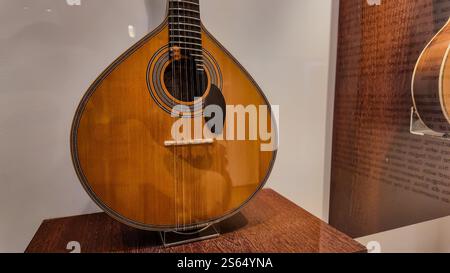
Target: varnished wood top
(269, 223)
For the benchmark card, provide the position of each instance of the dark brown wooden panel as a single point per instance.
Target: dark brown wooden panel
(383, 177)
(269, 223)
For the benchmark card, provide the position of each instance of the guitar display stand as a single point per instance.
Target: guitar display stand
(175, 238)
(418, 128)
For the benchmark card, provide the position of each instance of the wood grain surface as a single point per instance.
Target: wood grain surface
(269, 223)
(384, 177)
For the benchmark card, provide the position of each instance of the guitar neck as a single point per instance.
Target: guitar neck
(185, 26)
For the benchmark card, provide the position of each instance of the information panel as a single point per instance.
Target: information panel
(384, 177)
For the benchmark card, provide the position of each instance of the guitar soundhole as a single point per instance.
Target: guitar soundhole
(184, 81)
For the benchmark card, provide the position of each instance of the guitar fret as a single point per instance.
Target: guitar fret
(184, 17)
(193, 49)
(186, 43)
(186, 37)
(185, 2)
(186, 24)
(186, 30)
(187, 10)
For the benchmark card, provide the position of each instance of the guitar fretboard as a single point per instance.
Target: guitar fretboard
(185, 27)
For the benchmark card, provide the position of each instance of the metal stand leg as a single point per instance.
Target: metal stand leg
(175, 238)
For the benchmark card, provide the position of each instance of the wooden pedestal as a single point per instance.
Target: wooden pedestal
(269, 223)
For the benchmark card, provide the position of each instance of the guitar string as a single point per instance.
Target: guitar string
(191, 68)
(185, 91)
(180, 149)
(177, 95)
(197, 91)
(196, 87)
(193, 96)
(201, 82)
(188, 96)
(174, 87)
(188, 78)
(180, 95)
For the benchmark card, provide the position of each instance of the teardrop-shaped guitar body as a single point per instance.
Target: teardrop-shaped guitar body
(122, 140)
(431, 83)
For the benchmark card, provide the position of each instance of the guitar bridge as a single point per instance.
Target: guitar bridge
(193, 142)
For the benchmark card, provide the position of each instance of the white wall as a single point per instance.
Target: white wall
(50, 53)
(285, 45)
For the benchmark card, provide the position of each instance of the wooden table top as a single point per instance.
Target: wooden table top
(269, 223)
